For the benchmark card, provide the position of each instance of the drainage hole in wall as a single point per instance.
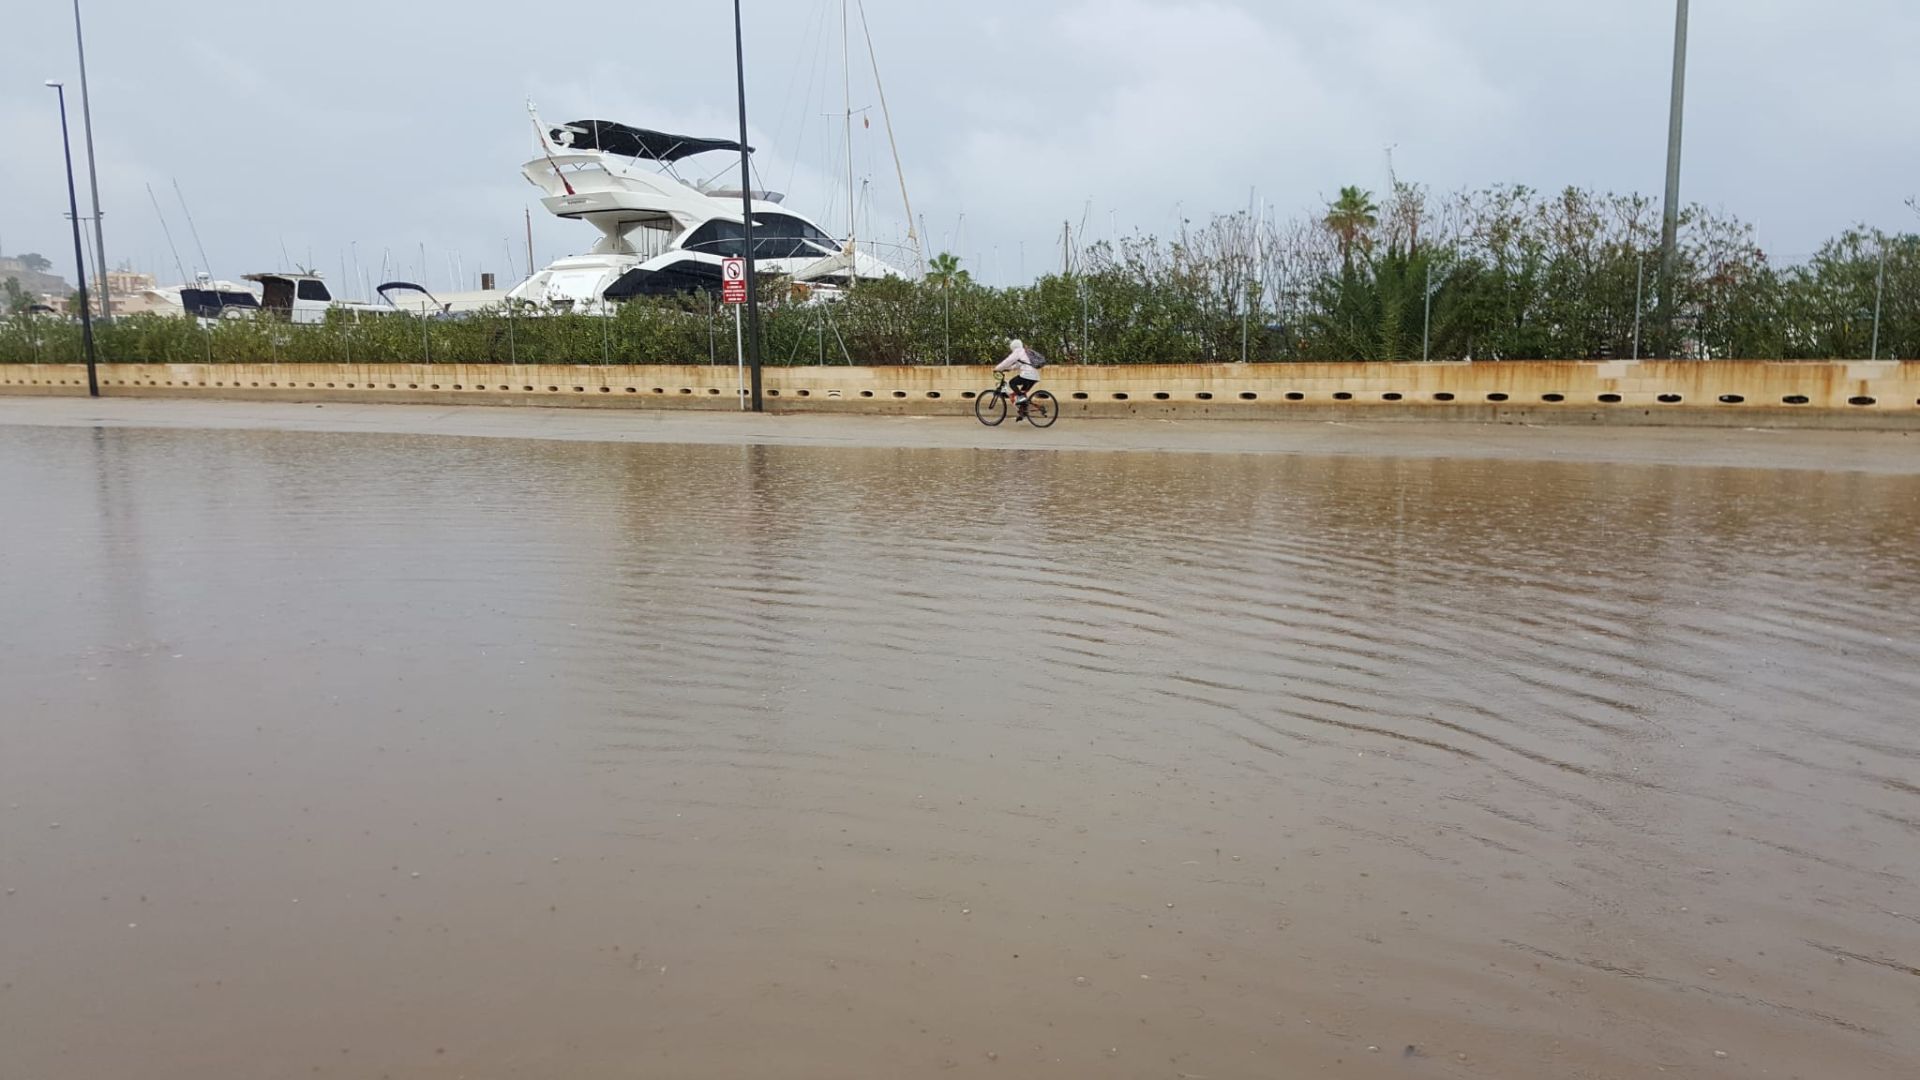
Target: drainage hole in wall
(713, 389)
(1160, 396)
(804, 393)
(1119, 397)
(1731, 399)
(866, 393)
(606, 389)
(1203, 396)
(1860, 401)
(899, 393)
(1292, 395)
(579, 389)
(1553, 398)
(967, 395)
(1080, 395)
(435, 386)
(1610, 399)
(933, 393)
(1668, 399)
(1794, 399)
(1342, 396)
(1496, 397)
(1443, 396)
(686, 389)
(1390, 397)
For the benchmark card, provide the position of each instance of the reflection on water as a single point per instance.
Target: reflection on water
(397, 756)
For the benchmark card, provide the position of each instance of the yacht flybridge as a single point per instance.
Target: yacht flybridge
(661, 234)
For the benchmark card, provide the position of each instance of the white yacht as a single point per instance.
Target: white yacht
(661, 234)
(297, 296)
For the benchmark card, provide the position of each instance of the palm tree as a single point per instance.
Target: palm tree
(1349, 217)
(943, 270)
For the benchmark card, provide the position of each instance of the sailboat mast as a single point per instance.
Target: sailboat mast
(886, 114)
(846, 88)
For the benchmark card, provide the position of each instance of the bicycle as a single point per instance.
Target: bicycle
(990, 408)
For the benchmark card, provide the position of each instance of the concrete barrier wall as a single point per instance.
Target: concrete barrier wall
(1743, 393)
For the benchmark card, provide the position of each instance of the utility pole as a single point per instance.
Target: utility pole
(1879, 297)
(93, 173)
(746, 212)
(79, 256)
(1639, 293)
(1670, 220)
(1426, 325)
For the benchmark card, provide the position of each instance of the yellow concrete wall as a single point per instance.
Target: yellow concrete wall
(1883, 394)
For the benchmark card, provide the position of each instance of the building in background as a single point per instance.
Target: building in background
(133, 292)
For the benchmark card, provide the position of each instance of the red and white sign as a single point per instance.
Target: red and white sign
(733, 281)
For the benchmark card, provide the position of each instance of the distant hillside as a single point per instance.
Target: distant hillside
(38, 282)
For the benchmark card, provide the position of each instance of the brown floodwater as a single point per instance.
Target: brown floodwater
(361, 755)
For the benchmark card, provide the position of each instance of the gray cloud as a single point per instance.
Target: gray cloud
(385, 127)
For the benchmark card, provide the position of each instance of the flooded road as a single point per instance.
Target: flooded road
(371, 755)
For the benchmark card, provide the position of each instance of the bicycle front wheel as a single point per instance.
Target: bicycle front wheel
(1042, 409)
(990, 407)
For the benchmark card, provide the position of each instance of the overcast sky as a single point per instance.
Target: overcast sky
(364, 130)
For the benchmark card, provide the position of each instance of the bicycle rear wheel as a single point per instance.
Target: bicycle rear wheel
(1042, 409)
(990, 407)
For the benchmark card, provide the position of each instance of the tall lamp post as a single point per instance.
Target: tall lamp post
(93, 171)
(746, 212)
(79, 255)
(1670, 219)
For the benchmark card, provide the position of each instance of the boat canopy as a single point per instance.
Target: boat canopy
(612, 138)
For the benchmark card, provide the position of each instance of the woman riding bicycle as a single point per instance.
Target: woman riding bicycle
(1028, 363)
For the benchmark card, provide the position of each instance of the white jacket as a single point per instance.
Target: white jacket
(1018, 359)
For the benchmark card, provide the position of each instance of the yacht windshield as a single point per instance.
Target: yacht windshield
(775, 236)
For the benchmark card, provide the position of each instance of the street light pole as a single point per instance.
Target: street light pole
(746, 212)
(93, 173)
(79, 255)
(1670, 221)
(1879, 297)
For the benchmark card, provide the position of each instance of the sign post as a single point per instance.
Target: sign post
(733, 293)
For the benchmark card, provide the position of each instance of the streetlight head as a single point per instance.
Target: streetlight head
(55, 83)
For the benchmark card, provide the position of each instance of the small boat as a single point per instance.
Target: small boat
(302, 297)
